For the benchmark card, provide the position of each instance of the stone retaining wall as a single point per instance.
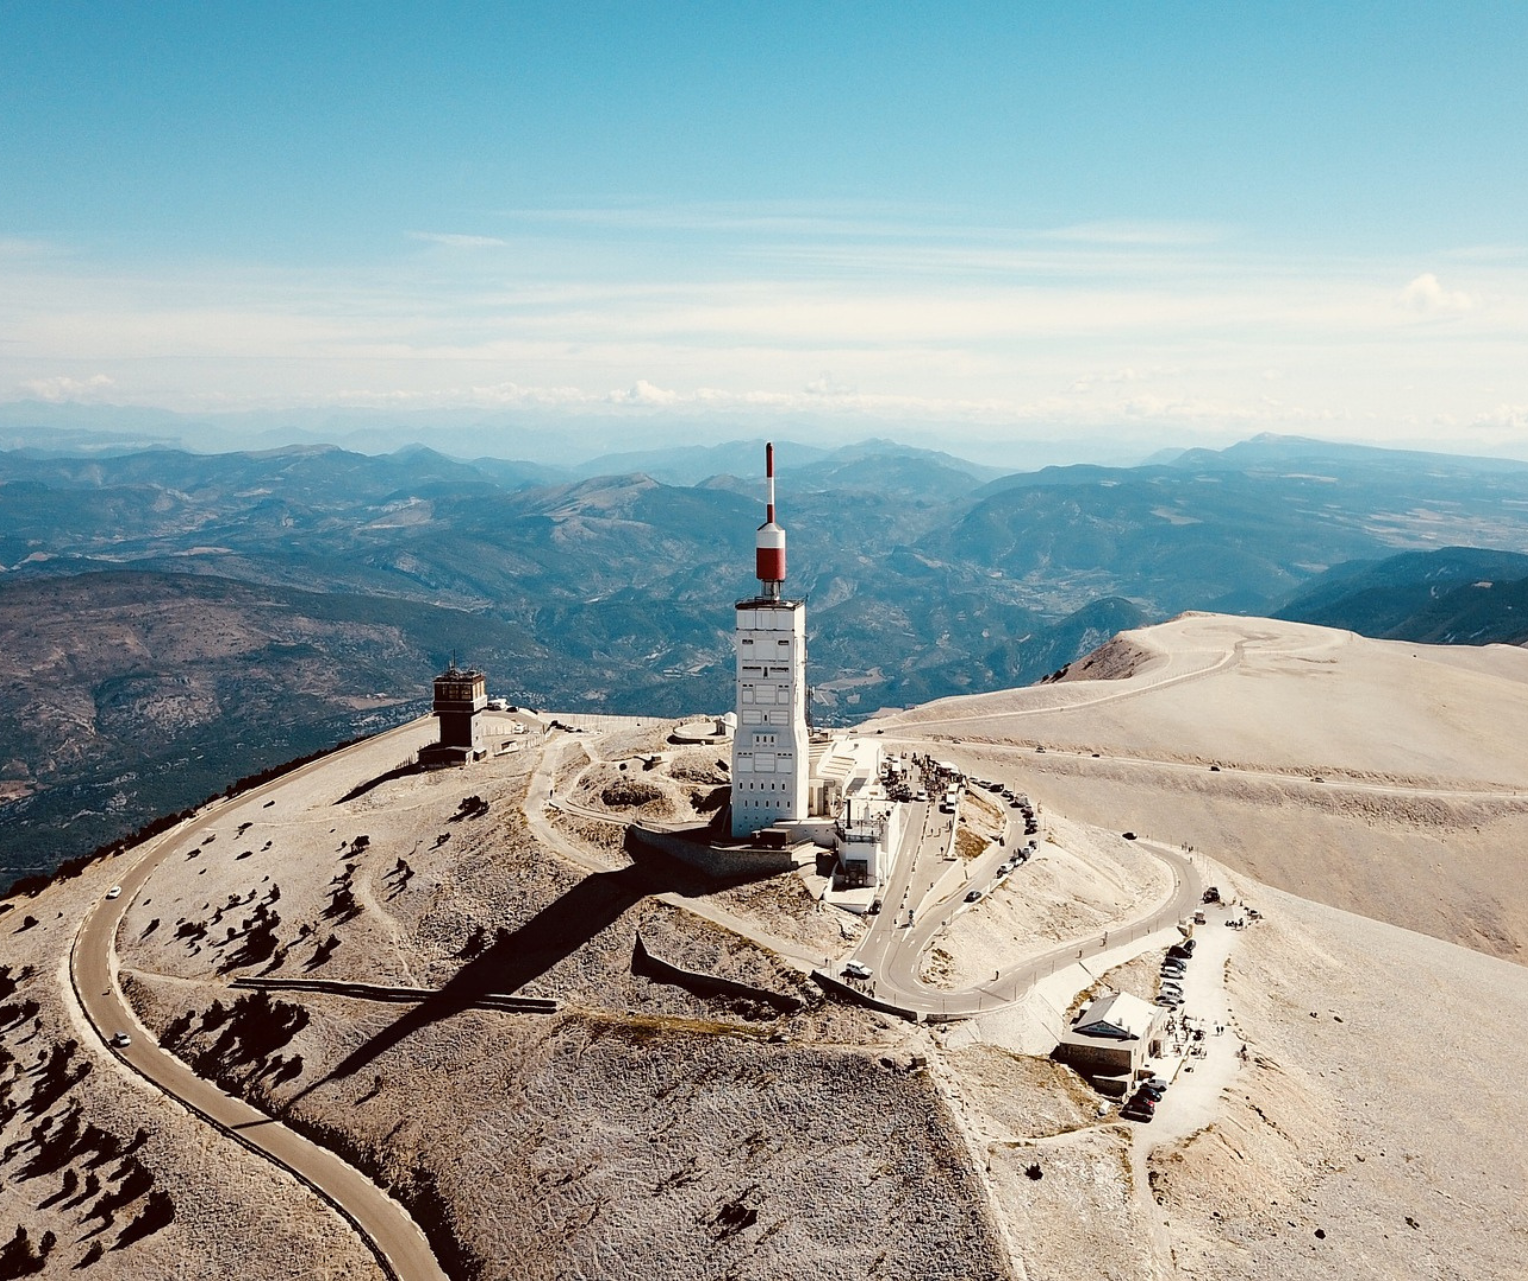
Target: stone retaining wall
(717, 860)
(645, 964)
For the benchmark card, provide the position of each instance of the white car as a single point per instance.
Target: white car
(122, 1040)
(857, 970)
(114, 892)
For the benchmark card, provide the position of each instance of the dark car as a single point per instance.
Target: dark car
(1129, 836)
(973, 896)
(1153, 1090)
(1135, 1112)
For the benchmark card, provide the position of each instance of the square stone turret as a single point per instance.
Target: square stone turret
(460, 697)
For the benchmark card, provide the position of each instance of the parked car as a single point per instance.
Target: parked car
(1133, 1112)
(1153, 1090)
(1168, 1001)
(1129, 836)
(875, 908)
(973, 896)
(857, 970)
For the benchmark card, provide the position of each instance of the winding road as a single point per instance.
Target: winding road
(400, 1247)
(934, 889)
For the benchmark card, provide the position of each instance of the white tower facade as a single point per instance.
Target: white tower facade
(770, 747)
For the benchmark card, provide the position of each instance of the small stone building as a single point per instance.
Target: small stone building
(460, 698)
(1111, 1040)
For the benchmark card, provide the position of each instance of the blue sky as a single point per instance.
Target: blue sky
(1140, 223)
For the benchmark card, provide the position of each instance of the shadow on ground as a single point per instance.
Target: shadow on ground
(517, 957)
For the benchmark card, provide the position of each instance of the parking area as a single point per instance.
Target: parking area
(1201, 1050)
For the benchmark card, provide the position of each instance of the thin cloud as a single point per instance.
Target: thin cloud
(60, 390)
(1139, 233)
(644, 393)
(456, 240)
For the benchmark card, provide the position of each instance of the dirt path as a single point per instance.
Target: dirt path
(539, 798)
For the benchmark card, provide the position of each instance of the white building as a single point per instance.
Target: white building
(770, 748)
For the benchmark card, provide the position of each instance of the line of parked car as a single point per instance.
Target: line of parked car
(1174, 970)
(1016, 800)
(1142, 1105)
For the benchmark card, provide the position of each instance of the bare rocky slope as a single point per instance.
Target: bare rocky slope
(99, 1173)
(650, 1126)
(642, 1130)
(1386, 778)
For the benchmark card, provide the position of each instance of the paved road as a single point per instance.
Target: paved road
(1185, 665)
(922, 881)
(394, 1237)
(919, 864)
(899, 981)
(1225, 774)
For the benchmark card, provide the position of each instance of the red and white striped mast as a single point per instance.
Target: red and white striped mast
(769, 543)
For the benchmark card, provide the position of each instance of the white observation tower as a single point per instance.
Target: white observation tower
(769, 752)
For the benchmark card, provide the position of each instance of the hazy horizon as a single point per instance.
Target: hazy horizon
(46, 428)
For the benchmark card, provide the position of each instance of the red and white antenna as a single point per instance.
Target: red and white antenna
(769, 545)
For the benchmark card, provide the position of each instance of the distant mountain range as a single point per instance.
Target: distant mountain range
(1453, 596)
(926, 574)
